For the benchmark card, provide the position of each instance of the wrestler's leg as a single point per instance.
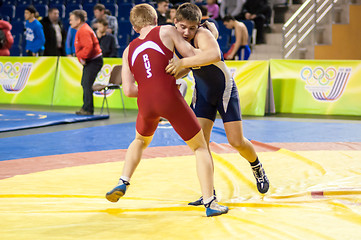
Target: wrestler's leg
(134, 154)
(204, 164)
(234, 132)
(132, 159)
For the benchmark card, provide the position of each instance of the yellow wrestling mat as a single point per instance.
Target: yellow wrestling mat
(313, 195)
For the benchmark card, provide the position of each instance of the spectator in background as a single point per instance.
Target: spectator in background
(99, 13)
(213, 9)
(162, 8)
(106, 40)
(89, 55)
(240, 49)
(6, 39)
(231, 7)
(260, 13)
(205, 16)
(55, 34)
(171, 13)
(69, 44)
(34, 34)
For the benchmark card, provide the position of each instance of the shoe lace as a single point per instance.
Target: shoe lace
(210, 203)
(121, 181)
(258, 173)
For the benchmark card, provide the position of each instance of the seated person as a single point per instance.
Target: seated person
(260, 12)
(213, 9)
(240, 49)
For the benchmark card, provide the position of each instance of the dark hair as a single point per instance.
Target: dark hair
(80, 14)
(108, 12)
(31, 9)
(228, 18)
(204, 10)
(51, 10)
(103, 21)
(174, 6)
(189, 12)
(99, 7)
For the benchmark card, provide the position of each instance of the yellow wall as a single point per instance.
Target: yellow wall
(346, 39)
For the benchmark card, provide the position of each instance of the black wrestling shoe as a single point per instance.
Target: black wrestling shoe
(261, 178)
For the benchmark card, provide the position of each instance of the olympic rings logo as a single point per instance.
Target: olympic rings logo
(9, 70)
(104, 73)
(318, 75)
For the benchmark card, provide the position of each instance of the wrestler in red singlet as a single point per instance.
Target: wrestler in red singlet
(158, 95)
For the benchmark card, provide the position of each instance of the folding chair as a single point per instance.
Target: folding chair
(115, 82)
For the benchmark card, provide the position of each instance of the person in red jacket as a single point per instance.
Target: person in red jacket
(6, 28)
(89, 54)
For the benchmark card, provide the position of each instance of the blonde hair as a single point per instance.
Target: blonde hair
(143, 15)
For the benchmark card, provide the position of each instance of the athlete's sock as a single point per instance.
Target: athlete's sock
(255, 162)
(124, 180)
(208, 200)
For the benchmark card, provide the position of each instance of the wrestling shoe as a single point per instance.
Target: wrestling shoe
(214, 209)
(197, 202)
(118, 191)
(200, 200)
(261, 178)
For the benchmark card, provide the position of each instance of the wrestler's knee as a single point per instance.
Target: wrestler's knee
(239, 143)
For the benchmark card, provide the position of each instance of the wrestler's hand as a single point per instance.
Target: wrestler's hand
(174, 67)
(211, 27)
(228, 57)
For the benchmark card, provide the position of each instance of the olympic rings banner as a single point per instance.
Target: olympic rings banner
(317, 86)
(68, 90)
(24, 81)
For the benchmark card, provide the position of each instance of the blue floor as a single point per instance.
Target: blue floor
(11, 120)
(119, 136)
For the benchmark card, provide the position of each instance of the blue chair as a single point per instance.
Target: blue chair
(25, 2)
(123, 39)
(121, 50)
(141, 1)
(251, 31)
(18, 27)
(19, 12)
(38, 2)
(108, 1)
(119, 2)
(90, 2)
(124, 11)
(42, 10)
(88, 7)
(15, 50)
(71, 7)
(113, 8)
(8, 10)
(6, 18)
(224, 36)
(66, 23)
(9, 2)
(124, 26)
(133, 35)
(67, 2)
(56, 1)
(60, 7)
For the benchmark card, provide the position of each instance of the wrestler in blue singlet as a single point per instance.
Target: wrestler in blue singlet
(215, 89)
